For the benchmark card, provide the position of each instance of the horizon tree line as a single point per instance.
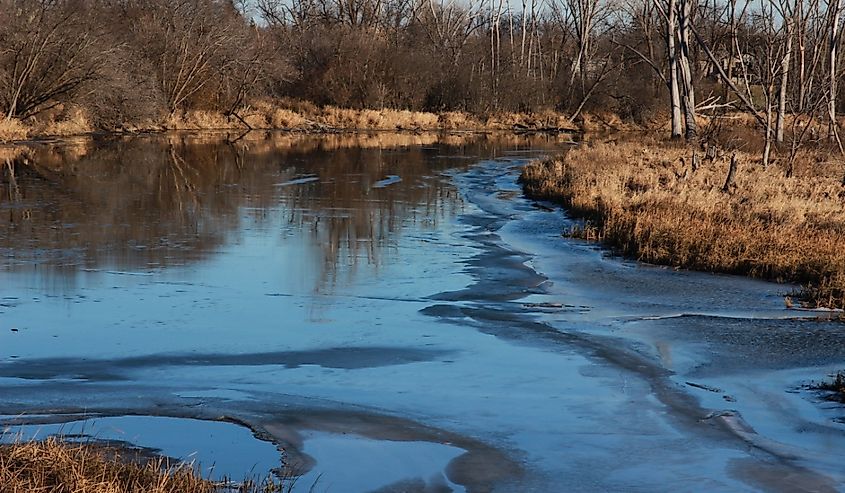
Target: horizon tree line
(126, 60)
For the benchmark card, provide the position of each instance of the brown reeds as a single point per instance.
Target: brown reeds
(11, 130)
(647, 200)
(286, 114)
(57, 466)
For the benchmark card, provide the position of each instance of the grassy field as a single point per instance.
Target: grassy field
(54, 466)
(644, 198)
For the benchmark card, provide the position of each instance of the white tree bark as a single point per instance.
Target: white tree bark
(784, 80)
(672, 52)
(690, 127)
(833, 131)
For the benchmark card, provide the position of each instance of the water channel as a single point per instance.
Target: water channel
(386, 312)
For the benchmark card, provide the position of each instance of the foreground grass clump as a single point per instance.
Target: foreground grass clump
(646, 200)
(57, 466)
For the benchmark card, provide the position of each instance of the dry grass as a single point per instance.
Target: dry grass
(285, 114)
(197, 120)
(377, 119)
(12, 130)
(70, 121)
(542, 119)
(56, 466)
(642, 198)
(288, 115)
(598, 122)
(285, 118)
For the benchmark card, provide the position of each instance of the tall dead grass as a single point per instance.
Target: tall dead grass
(56, 466)
(11, 129)
(71, 120)
(644, 199)
(285, 114)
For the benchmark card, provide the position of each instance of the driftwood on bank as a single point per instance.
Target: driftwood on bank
(523, 128)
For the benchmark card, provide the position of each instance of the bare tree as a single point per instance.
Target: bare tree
(835, 11)
(186, 40)
(669, 11)
(48, 51)
(788, 13)
(448, 25)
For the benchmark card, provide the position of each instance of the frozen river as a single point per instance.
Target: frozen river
(387, 313)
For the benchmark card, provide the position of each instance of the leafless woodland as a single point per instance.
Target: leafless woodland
(126, 60)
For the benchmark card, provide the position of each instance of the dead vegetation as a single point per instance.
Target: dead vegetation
(670, 204)
(286, 114)
(12, 130)
(834, 388)
(57, 466)
(297, 116)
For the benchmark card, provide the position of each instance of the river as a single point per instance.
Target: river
(386, 312)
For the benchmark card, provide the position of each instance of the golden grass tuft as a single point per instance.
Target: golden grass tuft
(55, 466)
(197, 120)
(285, 118)
(384, 119)
(457, 120)
(70, 121)
(643, 199)
(12, 129)
(58, 466)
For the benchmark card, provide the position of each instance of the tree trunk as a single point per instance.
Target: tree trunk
(690, 126)
(784, 79)
(767, 147)
(834, 44)
(800, 33)
(732, 52)
(674, 92)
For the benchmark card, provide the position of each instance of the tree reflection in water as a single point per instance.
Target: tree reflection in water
(151, 202)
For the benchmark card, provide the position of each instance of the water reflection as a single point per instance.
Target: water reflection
(153, 202)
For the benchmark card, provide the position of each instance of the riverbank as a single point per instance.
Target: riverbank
(55, 465)
(296, 116)
(655, 202)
